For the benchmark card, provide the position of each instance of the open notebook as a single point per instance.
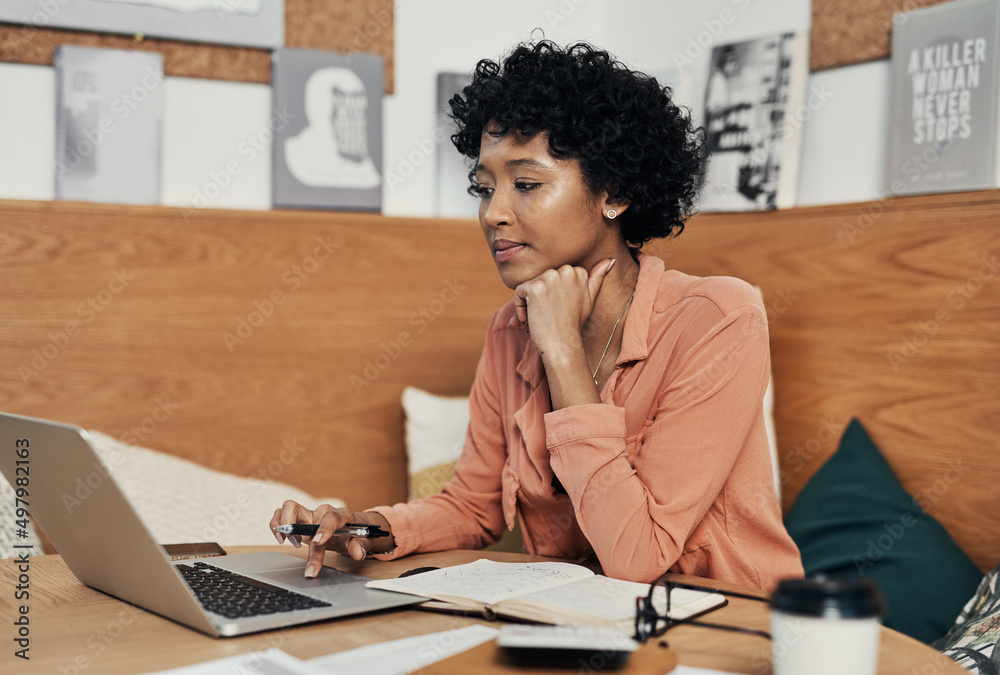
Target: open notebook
(544, 592)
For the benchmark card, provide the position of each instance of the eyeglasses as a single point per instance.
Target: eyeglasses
(650, 623)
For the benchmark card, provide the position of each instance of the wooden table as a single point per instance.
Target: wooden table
(76, 630)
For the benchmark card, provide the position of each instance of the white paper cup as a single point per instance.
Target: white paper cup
(825, 627)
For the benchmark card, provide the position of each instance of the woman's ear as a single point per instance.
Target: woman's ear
(612, 208)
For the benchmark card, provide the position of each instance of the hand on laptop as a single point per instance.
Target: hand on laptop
(329, 519)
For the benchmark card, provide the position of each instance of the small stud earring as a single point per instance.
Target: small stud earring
(612, 214)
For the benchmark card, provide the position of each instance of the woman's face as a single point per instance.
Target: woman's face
(536, 211)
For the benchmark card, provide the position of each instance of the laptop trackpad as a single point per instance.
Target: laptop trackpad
(292, 576)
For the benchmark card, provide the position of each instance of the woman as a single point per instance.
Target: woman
(617, 406)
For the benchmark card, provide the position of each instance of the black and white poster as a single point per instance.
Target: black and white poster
(328, 152)
(451, 169)
(752, 86)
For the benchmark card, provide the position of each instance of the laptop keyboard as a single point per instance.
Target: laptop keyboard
(235, 596)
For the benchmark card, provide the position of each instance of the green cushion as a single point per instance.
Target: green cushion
(854, 519)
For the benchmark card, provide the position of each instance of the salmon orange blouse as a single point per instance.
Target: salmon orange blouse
(670, 472)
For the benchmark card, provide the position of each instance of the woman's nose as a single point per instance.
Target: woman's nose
(495, 211)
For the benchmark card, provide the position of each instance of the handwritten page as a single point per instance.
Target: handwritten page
(603, 597)
(613, 600)
(486, 581)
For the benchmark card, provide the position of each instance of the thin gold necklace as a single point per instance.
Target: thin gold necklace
(610, 338)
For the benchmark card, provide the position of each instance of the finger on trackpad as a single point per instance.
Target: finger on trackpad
(292, 576)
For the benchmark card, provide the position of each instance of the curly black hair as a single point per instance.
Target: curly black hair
(630, 137)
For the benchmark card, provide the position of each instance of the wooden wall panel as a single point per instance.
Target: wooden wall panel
(887, 311)
(854, 31)
(368, 306)
(344, 26)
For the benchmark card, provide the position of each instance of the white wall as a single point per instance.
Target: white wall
(845, 144)
(27, 132)
(844, 134)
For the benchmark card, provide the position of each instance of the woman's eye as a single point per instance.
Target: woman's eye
(524, 186)
(480, 191)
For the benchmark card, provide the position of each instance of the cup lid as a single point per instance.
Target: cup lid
(828, 597)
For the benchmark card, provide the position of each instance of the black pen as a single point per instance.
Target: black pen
(353, 529)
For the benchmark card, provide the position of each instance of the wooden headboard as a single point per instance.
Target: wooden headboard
(269, 344)
(277, 344)
(886, 311)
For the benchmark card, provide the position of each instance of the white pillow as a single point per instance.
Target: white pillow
(772, 438)
(182, 502)
(435, 436)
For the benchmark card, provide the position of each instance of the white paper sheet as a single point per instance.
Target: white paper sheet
(403, 656)
(269, 662)
(691, 670)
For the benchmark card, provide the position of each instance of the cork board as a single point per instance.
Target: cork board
(344, 26)
(854, 31)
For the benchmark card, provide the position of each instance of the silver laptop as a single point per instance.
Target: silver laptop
(105, 544)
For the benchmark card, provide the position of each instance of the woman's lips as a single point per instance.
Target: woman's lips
(504, 251)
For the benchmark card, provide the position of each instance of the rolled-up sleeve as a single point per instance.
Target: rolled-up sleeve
(467, 513)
